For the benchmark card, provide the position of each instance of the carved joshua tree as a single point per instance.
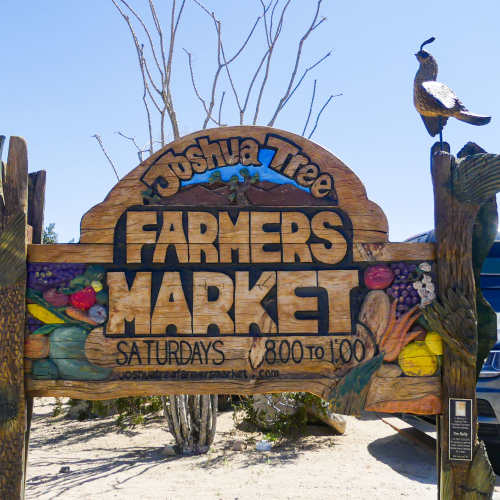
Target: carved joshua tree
(464, 216)
(237, 189)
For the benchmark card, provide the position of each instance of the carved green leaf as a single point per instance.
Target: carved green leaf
(349, 396)
(46, 329)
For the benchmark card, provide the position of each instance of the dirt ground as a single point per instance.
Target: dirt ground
(371, 461)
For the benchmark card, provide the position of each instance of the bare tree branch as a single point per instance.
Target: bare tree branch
(314, 24)
(163, 63)
(320, 112)
(196, 91)
(140, 151)
(220, 106)
(99, 140)
(146, 30)
(301, 79)
(222, 63)
(274, 38)
(310, 109)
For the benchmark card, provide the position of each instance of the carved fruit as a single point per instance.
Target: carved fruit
(83, 299)
(434, 343)
(378, 277)
(96, 285)
(417, 361)
(98, 314)
(375, 312)
(54, 298)
(36, 346)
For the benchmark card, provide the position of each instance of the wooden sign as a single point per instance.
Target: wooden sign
(236, 260)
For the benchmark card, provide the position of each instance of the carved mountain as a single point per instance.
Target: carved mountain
(262, 193)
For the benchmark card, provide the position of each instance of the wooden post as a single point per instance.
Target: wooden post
(36, 206)
(454, 314)
(13, 209)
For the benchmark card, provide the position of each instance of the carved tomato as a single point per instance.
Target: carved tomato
(378, 277)
(84, 299)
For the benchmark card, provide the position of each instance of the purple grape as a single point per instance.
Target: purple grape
(42, 276)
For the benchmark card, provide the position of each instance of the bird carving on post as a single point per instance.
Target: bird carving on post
(435, 101)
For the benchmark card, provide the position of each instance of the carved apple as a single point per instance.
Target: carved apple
(378, 277)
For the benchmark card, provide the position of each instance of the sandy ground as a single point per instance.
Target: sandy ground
(371, 461)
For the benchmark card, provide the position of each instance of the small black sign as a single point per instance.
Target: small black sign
(460, 431)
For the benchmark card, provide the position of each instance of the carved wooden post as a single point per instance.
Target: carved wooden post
(13, 208)
(459, 191)
(36, 206)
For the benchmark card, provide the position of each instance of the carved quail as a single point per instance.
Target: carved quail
(435, 101)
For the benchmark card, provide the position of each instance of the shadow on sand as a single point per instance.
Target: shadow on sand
(405, 458)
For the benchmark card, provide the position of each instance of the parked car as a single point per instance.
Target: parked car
(488, 385)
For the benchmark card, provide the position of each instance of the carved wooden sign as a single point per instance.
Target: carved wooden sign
(235, 260)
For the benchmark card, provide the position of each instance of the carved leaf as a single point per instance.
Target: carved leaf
(450, 316)
(476, 178)
(349, 396)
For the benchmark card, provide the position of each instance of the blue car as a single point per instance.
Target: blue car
(488, 385)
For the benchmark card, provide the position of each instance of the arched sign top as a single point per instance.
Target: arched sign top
(241, 165)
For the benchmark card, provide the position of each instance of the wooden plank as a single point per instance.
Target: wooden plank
(71, 252)
(319, 386)
(12, 310)
(373, 252)
(286, 354)
(109, 390)
(103, 253)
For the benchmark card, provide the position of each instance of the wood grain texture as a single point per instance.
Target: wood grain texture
(454, 221)
(320, 386)
(96, 253)
(12, 310)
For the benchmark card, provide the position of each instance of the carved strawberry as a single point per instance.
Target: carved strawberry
(84, 299)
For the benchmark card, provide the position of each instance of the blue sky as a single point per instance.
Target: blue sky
(69, 71)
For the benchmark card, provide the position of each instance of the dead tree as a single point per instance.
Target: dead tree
(192, 419)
